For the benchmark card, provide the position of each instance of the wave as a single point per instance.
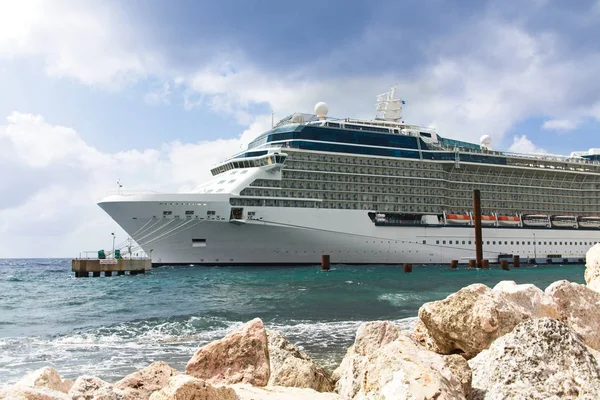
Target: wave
(112, 352)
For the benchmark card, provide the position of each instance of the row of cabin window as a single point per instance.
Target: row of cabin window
(517, 243)
(188, 212)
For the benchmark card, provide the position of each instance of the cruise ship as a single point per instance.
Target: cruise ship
(377, 191)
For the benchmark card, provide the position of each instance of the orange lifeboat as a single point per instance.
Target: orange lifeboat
(488, 219)
(509, 220)
(458, 219)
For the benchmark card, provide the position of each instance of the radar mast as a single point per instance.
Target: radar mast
(389, 108)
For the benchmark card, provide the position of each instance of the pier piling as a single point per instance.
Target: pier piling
(325, 262)
(472, 264)
(485, 264)
(453, 264)
(407, 268)
(504, 265)
(478, 235)
(516, 261)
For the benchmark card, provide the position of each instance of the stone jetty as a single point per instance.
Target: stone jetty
(480, 343)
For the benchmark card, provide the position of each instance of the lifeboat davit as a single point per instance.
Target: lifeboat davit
(488, 220)
(458, 219)
(509, 220)
(535, 220)
(564, 221)
(589, 222)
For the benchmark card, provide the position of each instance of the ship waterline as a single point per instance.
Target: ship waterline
(301, 236)
(369, 192)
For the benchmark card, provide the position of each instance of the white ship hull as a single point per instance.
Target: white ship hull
(283, 235)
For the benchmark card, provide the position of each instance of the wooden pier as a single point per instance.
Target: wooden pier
(82, 266)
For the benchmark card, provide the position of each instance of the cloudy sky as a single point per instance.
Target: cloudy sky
(153, 92)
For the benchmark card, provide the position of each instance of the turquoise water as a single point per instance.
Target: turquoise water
(110, 326)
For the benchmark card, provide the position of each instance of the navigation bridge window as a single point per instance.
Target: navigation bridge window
(250, 163)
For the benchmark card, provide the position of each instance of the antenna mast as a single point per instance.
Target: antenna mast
(389, 108)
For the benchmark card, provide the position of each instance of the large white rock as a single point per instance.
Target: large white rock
(240, 357)
(592, 268)
(370, 337)
(46, 377)
(294, 368)
(248, 392)
(579, 309)
(185, 387)
(469, 320)
(92, 388)
(19, 392)
(541, 359)
(386, 363)
(141, 384)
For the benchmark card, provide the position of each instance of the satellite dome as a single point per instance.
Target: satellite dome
(321, 109)
(485, 141)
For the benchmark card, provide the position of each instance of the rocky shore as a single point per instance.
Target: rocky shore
(509, 341)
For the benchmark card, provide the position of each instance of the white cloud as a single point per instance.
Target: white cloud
(87, 41)
(53, 180)
(160, 96)
(559, 125)
(522, 145)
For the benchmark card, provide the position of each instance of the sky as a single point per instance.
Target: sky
(153, 92)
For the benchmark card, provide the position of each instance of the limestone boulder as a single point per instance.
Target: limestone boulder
(46, 377)
(240, 357)
(92, 388)
(459, 367)
(592, 267)
(185, 387)
(20, 392)
(527, 299)
(469, 320)
(141, 384)
(248, 392)
(540, 359)
(579, 309)
(387, 363)
(370, 337)
(293, 368)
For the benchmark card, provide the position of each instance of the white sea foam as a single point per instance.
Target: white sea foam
(115, 351)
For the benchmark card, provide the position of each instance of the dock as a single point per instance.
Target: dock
(109, 266)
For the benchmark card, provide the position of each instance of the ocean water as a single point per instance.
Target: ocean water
(111, 326)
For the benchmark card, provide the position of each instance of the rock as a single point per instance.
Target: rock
(469, 320)
(20, 392)
(421, 336)
(370, 337)
(248, 392)
(141, 384)
(396, 368)
(541, 359)
(46, 377)
(240, 357)
(592, 267)
(528, 299)
(293, 368)
(461, 370)
(91, 388)
(578, 305)
(185, 387)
